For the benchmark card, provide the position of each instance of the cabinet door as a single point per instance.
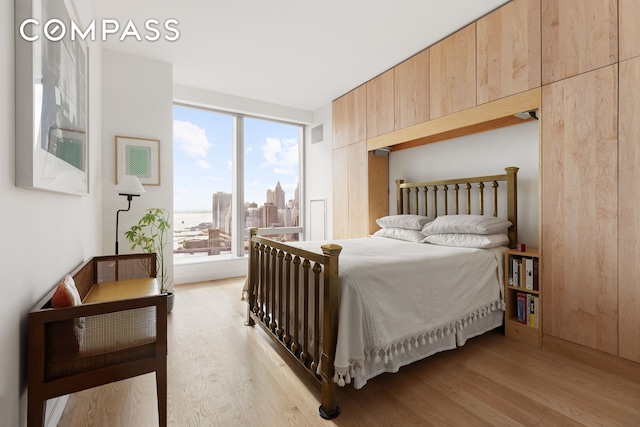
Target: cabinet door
(380, 105)
(629, 29)
(411, 80)
(453, 73)
(578, 36)
(340, 196)
(509, 50)
(629, 190)
(579, 161)
(350, 117)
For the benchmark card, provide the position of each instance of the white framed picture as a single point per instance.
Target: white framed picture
(139, 157)
(52, 95)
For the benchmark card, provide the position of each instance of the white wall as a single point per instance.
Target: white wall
(318, 167)
(137, 102)
(45, 235)
(486, 153)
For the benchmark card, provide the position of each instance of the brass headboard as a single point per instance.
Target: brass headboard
(432, 205)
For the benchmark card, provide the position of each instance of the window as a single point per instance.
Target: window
(233, 172)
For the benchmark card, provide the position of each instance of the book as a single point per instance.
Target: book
(521, 300)
(516, 271)
(528, 272)
(510, 276)
(531, 311)
(536, 280)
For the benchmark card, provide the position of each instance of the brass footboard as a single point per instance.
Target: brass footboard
(293, 295)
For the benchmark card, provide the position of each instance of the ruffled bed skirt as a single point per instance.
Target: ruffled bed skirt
(417, 347)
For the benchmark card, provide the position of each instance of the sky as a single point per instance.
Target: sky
(203, 150)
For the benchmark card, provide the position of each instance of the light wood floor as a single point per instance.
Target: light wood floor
(222, 373)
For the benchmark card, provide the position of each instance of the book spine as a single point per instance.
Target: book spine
(522, 307)
(528, 271)
(516, 272)
(536, 280)
(510, 265)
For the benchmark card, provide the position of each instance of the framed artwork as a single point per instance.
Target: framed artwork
(52, 94)
(139, 157)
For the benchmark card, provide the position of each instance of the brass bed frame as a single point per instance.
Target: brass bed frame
(293, 294)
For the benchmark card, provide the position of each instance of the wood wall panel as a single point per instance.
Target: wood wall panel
(452, 77)
(629, 11)
(380, 105)
(358, 190)
(579, 215)
(629, 247)
(411, 79)
(577, 36)
(350, 117)
(340, 197)
(509, 50)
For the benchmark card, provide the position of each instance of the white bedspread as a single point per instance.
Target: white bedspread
(402, 301)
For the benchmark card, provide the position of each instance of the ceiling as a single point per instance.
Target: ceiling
(295, 53)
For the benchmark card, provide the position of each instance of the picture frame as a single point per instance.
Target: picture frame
(52, 101)
(139, 157)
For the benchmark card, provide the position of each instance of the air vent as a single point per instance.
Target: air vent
(316, 134)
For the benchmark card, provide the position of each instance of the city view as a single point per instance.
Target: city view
(212, 233)
(205, 175)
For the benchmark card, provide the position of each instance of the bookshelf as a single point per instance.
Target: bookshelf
(523, 296)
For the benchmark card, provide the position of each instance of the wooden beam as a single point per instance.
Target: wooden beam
(491, 115)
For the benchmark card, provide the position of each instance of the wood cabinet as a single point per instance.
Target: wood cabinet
(352, 208)
(350, 117)
(380, 105)
(411, 91)
(452, 74)
(629, 246)
(509, 50)
(578, 36)
(523, 296)
(629, 12)
(579, 214)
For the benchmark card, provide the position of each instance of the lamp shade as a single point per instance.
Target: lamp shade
(130, 186)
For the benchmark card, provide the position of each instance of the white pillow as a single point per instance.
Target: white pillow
(469, 240)
(400, 234)
(409, 222)
(475, 224)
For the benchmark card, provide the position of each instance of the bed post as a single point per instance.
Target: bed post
(400, 209)
(251, 297)
(329, 408)
(512, 204)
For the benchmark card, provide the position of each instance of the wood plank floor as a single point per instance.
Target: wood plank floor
(222, 373)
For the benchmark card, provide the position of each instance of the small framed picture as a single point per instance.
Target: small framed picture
(139, 157)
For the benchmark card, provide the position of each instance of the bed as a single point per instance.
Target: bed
(349, 310)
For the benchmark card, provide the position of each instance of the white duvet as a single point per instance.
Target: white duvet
(402, 301)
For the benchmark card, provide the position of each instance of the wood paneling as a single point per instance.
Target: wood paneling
(412, 91)
(579, 161)
(509, 50)
(578, 36)
(350, 117)
(380, 105)
(358, 190)
(452, 77)
(378, 173)
(629, 247)
(340, 197)
(471, 120)
(629, 28)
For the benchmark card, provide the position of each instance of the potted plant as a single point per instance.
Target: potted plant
(151, 235)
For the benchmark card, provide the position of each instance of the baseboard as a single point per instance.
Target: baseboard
(54, 409)
(598, 359)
